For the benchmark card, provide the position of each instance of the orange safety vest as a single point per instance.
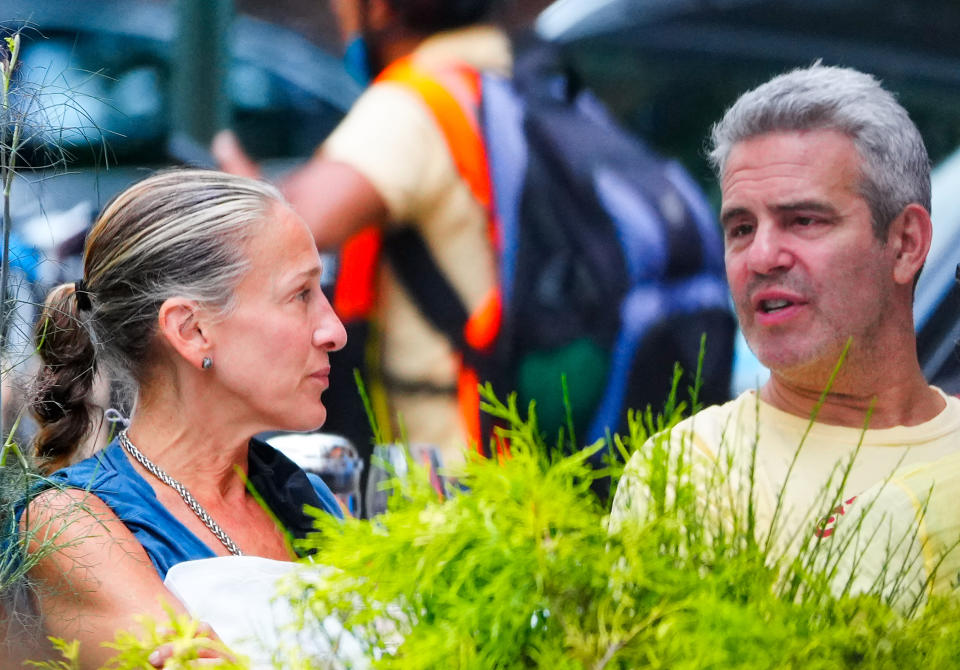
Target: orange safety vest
(453, 96)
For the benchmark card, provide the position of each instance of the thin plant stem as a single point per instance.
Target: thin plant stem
(8, 157)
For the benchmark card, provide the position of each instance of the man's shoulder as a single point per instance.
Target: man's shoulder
(952, 409)
(482, 46)
(724, 423)
(746, 401)
(929, 479)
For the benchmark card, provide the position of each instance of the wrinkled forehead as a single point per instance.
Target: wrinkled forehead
(793, 160)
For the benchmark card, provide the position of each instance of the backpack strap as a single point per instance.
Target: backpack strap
(454, 105)
(355, 291)
(453, 97)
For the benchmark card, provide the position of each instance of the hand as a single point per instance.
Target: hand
(231, 157)
(213, 655)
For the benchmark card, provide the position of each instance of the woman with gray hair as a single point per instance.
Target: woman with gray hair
(202, 291)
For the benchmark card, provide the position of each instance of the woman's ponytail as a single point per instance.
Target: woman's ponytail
(61, 403)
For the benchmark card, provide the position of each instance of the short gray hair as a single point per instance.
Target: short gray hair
(895, 167)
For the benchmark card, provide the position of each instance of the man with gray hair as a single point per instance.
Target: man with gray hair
(826, 217)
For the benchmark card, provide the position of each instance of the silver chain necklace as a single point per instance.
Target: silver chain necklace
(182, 490)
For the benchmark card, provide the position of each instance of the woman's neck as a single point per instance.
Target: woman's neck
(192, 443)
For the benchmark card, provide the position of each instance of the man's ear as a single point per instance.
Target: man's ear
(910, 235)
(180, 325)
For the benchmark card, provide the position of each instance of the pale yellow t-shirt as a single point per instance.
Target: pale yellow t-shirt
(727, 439)
(391, 138)
(900, 537)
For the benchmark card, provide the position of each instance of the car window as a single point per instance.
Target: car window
(99, 98)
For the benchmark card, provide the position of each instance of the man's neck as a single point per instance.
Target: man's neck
(904, 401)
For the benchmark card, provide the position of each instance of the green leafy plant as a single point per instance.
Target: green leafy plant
(10, 139)
(186, 641)
(70, 651)
(180, 634)
(27, 119)
(38, 122)
(520, 571)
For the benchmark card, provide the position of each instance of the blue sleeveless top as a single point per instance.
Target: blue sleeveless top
(111, 477)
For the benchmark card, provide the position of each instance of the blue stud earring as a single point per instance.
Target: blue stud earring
(207, 363)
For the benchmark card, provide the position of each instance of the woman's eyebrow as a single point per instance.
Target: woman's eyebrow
(306, 274)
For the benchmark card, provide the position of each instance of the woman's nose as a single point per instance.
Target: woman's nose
(330, 334)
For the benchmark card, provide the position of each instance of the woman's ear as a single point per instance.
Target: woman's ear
(910, 235)
(180, 324)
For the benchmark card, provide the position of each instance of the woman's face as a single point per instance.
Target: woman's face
(271, 353)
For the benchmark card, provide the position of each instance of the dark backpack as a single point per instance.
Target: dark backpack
(611, 263)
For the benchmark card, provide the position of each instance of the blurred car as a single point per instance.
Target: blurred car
(332, 457)
(96, 79)
(94, 91)
(669, 69)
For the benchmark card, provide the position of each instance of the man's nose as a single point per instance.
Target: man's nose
(769, 250)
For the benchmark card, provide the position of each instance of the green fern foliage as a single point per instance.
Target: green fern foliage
(519, 570)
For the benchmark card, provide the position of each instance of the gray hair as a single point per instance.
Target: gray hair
(895, 168)
(176, 233)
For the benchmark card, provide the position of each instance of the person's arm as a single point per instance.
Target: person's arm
(333, 198)
(96, 579)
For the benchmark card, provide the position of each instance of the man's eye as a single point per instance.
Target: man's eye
(304, 294)
(739, 230)
(804, 220)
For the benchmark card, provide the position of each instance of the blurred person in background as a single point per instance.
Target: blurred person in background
(201, 290)
(388, 165)
(826, 217)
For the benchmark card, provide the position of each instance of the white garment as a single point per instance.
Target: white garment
(237, 597)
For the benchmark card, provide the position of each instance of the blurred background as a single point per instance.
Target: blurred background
(131, 85)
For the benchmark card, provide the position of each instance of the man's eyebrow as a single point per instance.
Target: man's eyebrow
(785, 208)
(733, 213)
(807, 205)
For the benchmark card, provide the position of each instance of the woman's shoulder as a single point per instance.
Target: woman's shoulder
(104, 462)
(103, 466)
(99, 474)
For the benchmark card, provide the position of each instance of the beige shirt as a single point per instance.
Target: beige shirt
(725, 439)
(901, 536)
(390, 137)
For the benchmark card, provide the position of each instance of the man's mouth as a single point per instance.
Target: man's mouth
(774, 305)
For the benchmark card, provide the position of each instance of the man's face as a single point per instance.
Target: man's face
(804, 267)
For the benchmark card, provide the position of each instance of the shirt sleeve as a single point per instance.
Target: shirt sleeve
(390, 137)
(877, 546)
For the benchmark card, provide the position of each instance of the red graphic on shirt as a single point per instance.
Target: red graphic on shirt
(825, 526)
